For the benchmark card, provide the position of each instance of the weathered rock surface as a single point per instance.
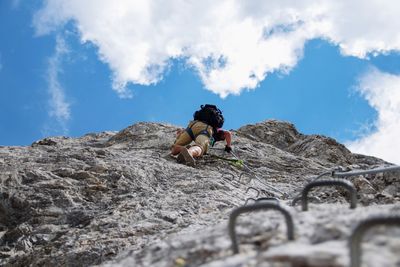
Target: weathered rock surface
(119, 199)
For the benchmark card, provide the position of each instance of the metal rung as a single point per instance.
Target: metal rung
(268, 199)
(253, 188)
(255, 207)
(261, 199)
(336, 182)
(360, 230)
(246, 181)
(226, 174)
(298, 198)
(363, 172)
(248, 199)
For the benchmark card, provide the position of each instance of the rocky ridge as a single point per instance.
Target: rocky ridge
(119, 199)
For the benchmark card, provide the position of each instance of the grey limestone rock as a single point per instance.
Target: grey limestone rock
(120, 199)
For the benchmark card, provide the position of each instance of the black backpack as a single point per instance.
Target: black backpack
(210, 115)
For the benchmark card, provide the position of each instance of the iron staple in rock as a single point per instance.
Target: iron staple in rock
(256, 207)
(359, 231)
(363, 172)
(253, 188)
(298, 198)
(261, 199)
(329, 182)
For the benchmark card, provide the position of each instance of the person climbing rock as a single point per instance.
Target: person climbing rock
(222, 135)
(204, 129)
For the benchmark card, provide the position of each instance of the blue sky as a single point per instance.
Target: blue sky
(64, 71)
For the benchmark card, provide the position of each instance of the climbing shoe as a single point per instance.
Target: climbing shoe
(185, 158)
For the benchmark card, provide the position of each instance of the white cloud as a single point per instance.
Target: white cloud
(232, 44)
(59, 107)
(382, 91)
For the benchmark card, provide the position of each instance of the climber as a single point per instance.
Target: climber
(204, 129)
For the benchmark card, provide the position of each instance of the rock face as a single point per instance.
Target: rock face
(119, 199)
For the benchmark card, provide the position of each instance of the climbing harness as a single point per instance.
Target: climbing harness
(193, 136)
